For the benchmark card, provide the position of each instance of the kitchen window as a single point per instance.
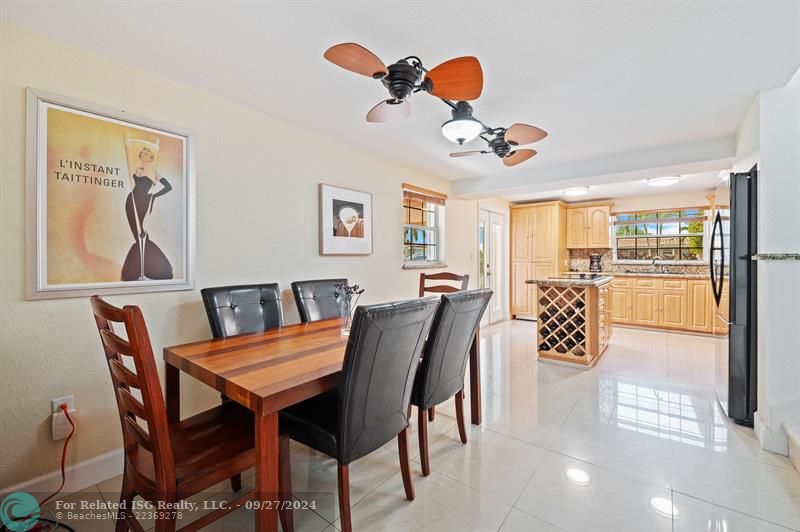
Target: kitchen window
(674, 235)
(423, 227)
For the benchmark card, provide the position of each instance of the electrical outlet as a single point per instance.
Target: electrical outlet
(60, 426)
(55, 404)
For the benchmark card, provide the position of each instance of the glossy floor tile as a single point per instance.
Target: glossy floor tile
(636, 444)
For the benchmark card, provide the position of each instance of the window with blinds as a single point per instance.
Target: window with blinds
(669, 234)
(423, 226)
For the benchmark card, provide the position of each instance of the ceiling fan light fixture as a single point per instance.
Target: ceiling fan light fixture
(663, 181)
(576, 191)
(462, 127)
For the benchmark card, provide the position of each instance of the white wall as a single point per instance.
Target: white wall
(770, 135)
(256, 221)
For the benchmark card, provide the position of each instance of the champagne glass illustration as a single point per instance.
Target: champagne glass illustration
(349, 218)
(145, 260)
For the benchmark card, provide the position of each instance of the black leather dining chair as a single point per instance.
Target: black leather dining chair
(241, 309)
(316, 299)
(444, 360)
(370, 405)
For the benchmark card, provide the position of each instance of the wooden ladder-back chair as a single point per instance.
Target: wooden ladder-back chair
(441, 289)
(169, 462)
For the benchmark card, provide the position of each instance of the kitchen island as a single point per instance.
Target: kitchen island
(573, 318)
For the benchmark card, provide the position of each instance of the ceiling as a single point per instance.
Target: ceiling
(610, 81)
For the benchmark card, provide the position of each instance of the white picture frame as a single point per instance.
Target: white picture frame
(39, 284)
(345, 221)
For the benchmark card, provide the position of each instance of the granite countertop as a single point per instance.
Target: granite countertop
(654, 274)
(568, 281)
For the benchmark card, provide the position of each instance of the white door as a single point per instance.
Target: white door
(491, 269)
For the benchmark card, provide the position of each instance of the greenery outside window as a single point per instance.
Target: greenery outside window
(423, 227)
(675, 235)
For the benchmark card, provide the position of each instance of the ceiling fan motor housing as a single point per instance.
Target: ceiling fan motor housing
(402, 79)
(499, 146)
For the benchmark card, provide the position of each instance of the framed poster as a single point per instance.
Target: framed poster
(345, 221)
(110, 201)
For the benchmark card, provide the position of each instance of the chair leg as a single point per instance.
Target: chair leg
(462, 429)
(431, 413)
(405, 463)
(125, 500)
(285, 484)
(236, 482)
(166, 521)
(422, 431)
(344, 498)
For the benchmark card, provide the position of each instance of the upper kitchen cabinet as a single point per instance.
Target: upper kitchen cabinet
(587, 226)
(521, 234)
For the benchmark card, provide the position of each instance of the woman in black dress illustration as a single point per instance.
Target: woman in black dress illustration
(145, 260)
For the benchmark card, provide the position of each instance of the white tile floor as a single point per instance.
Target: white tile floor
(643, 426)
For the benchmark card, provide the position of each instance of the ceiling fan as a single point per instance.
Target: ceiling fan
(503, 141)
(457, 79)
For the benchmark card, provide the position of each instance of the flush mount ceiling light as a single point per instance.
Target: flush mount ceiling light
(663, 507)
(663, 181)
(576, 191)
(577, 476)
(462, 128)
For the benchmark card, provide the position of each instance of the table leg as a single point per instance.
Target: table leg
(173, 384)
(267, 472)
(475, 379)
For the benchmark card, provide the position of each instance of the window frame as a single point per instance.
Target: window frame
(705, 214)
(435, 203)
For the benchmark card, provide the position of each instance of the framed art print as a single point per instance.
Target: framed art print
(345, 221)
(110, 201)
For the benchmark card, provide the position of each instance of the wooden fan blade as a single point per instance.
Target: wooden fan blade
(356, 58)
(467, 153)
(458, 79)
(389, 111)
(524, 134)
(518, 156)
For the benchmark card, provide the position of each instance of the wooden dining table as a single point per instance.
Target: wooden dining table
(268, 371)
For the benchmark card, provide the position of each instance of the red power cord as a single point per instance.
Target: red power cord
(63, 407)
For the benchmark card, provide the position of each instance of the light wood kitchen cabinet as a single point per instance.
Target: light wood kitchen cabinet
(544, 234)
(672, 309)
(598, 222)
(521, 301)
(588, 226)
(622, 303)
(645, 307)
(663, 302)
(700, 305)
(720, 327)
(521, 231)
(576, 228)
(538, 250)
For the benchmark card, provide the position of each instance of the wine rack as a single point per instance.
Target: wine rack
(562, 320)
(571, 323)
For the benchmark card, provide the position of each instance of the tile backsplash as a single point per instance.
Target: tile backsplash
(579, 261)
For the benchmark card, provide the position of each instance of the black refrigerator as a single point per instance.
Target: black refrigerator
(733, 282)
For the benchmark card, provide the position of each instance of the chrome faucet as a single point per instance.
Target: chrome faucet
(661, 268)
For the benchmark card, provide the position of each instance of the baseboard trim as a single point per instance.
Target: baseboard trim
(79, 476)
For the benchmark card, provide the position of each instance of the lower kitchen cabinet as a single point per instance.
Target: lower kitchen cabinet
(645, 307)
(672, 309)
(668, 303)
(700, 307)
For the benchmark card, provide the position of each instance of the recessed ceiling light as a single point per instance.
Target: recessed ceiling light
(576, 191)
(578, 476)
(663, 507)
(663, 181)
